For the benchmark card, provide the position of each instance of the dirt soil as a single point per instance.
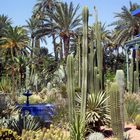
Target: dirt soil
(130, 129)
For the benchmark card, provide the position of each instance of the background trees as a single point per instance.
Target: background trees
(20, 47)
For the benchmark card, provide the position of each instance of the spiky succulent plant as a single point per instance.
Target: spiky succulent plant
(97, 113)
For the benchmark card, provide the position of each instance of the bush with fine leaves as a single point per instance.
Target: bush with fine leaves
(132, 106)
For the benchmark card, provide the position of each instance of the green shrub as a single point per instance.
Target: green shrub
(137, 121)
(6, 105)
(63, 90)
(132, 106)
(34, 99)
(5, 85)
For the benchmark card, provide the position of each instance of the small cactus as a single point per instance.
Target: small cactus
(117, 104)
(53, 133)
(137, 121)
(96, 136)
(7, 134)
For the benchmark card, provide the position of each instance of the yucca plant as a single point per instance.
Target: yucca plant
(77, 128)
(97, 113)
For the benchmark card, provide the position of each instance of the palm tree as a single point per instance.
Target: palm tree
(64, 22)
(127, 25)
(31, 27)
(4, 21)
(13, 43)
(40, 10)
(44, 5)
(14, 40)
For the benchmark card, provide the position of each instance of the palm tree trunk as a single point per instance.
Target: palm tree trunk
(61, 49)
(66, 41)
(32, 45)
(13, 83)
(37, 43)
(55, 47)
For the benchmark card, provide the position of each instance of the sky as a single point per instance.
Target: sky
(20, 10)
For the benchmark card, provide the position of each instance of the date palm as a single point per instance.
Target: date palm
(45, 5)
(4, 21)
(32, 27)
(64, 22)
(127, 25)
(41, 8)
(13, 43)
(14, 40)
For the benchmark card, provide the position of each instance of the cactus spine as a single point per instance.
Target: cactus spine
(84, 63)
(117, 107)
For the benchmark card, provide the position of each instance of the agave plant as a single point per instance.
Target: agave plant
(97, 110)
(97, 113)
(26, 122)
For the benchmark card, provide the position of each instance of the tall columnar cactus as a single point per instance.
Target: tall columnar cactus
(121, 84)
(85, 15)
(70, 85)
(79, 60)
(137, 74)
(117, 107)
(134, 84)
(91, 64)
(96, 80)
(131, 75)
(99, 50)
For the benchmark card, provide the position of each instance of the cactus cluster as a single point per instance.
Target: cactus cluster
(81, 81)
(117, 105)
(96, 136)
(87, 75)
(137, 121)
(46, 134)
(7, 134)
(89, 57)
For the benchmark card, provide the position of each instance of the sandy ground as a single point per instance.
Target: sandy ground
(134, 133)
